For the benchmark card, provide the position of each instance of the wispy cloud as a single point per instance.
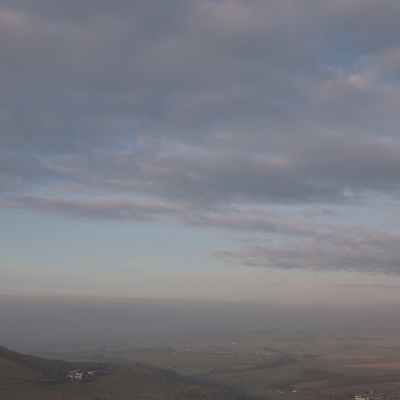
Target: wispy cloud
(337, 250)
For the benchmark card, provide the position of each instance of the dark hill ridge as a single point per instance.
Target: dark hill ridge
(36, 363)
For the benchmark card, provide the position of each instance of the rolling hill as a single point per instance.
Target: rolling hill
(24, 377)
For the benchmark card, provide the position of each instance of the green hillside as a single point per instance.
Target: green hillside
(24, 377)
(22, 364)
(18, 368)
(11, 371)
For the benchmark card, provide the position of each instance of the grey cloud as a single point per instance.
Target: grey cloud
(372, 163)
(236, 219)
(360, 251)
(263, 238)
(94, 208)
(329, 171)
(175, 110)
(257, 220)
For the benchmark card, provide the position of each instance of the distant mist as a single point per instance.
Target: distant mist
(44, 322)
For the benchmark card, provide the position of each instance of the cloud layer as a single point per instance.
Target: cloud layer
(244, 117)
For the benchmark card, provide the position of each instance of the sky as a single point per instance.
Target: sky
(239, 152)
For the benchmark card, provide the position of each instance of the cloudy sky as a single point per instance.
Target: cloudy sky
(239, 151)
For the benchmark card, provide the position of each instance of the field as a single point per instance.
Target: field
(264, 365)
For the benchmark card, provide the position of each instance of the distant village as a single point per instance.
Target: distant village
(82, 375)
(371, 395)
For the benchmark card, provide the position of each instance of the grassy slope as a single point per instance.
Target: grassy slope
(120, 383)
(135, 384)
(11, 371)
(116, 386)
